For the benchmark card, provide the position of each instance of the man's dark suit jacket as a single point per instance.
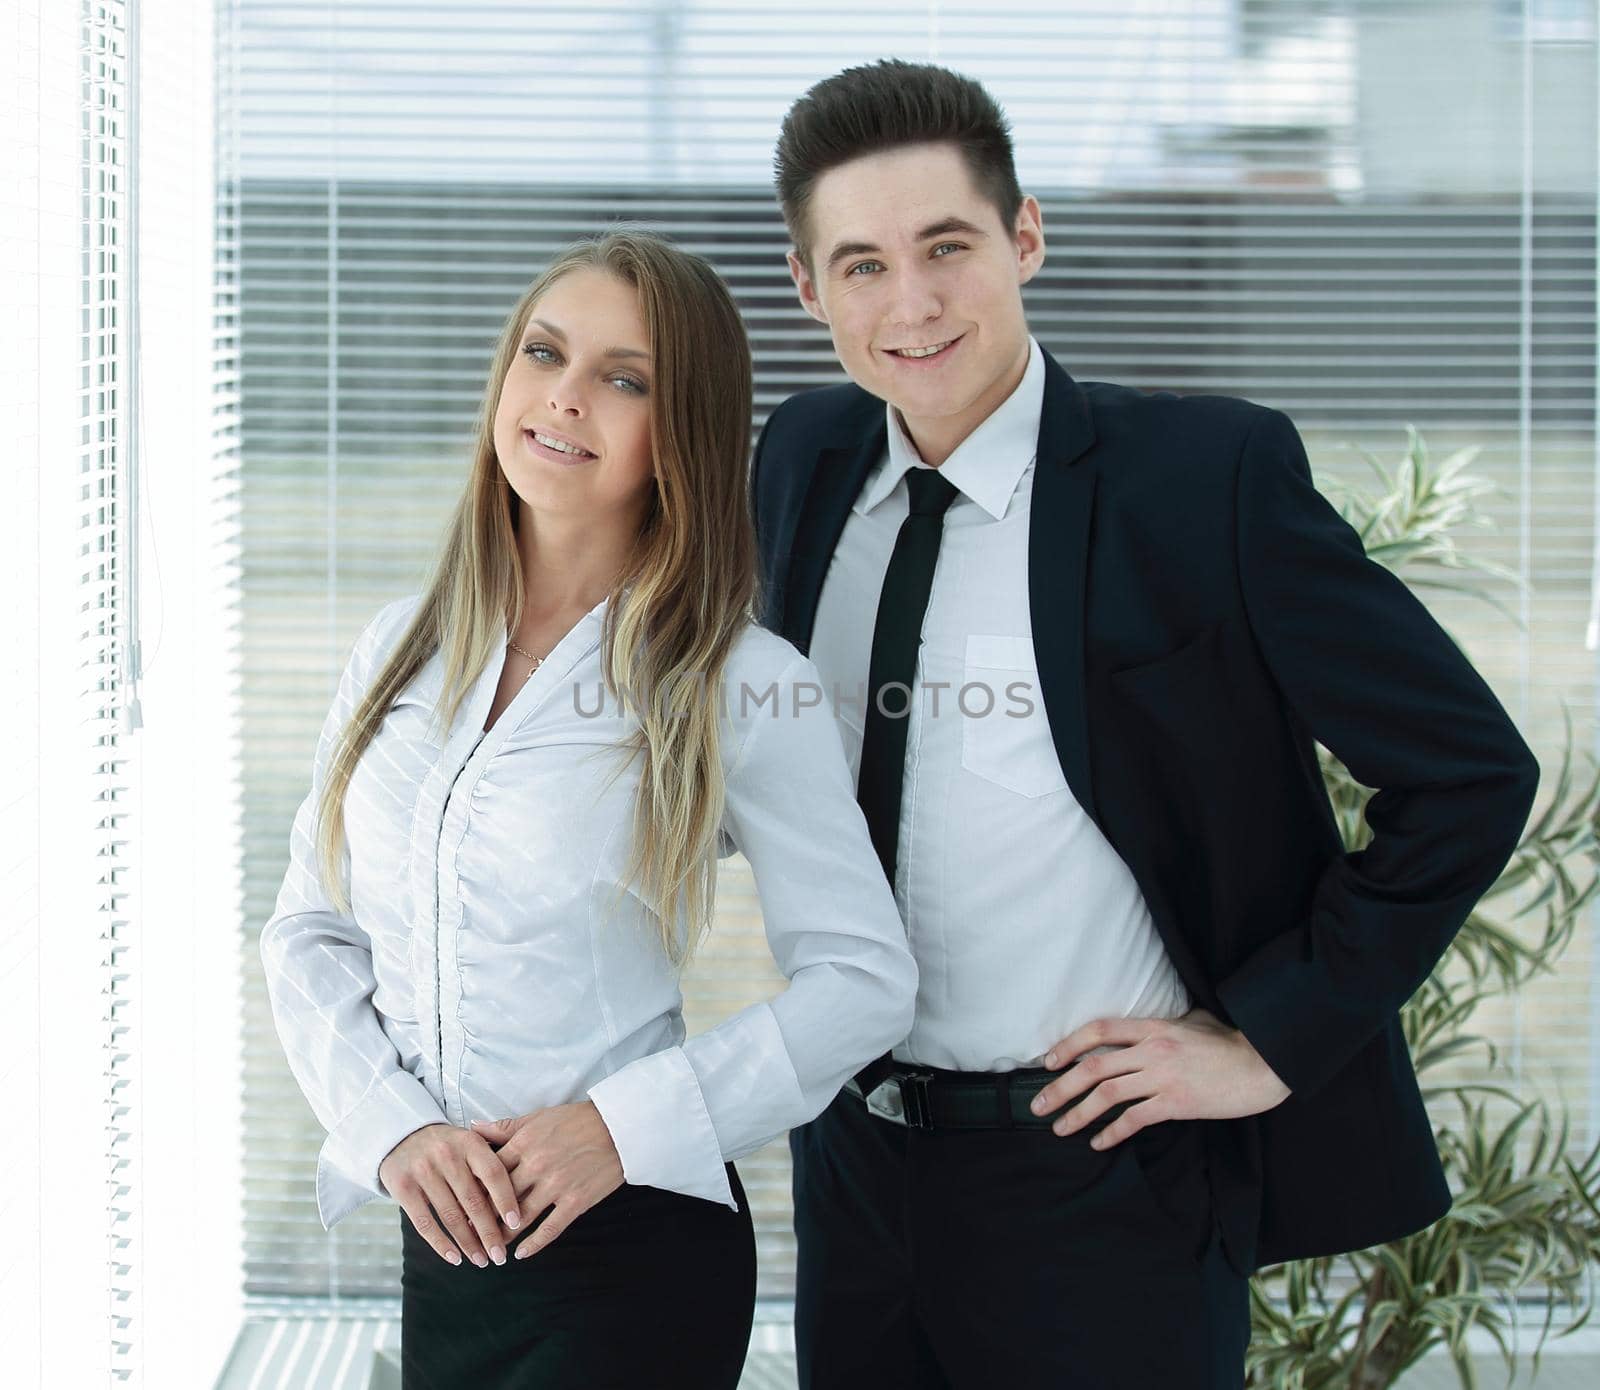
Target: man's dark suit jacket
(1200, 615)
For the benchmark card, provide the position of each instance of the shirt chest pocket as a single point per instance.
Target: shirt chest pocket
(1005, 736)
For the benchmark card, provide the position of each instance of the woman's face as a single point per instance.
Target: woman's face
(572, 431)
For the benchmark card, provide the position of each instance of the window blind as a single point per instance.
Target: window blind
(108, 633)
(68, 948)
(1364, 214)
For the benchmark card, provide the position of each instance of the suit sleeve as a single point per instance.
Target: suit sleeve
(1379, 683)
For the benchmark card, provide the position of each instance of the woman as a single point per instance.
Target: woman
(509, 849)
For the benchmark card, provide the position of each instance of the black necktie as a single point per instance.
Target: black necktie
(895, 638)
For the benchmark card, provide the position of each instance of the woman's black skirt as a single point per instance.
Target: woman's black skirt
(649, 1288)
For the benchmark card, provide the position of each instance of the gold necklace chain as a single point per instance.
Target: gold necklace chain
(537, 661)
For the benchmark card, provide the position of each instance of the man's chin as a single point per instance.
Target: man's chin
(927, 405)
(923, 405)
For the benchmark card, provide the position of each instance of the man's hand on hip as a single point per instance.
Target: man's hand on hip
(1189, 1068)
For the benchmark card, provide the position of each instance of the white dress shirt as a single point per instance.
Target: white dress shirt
(1024, 921)
(493, 964)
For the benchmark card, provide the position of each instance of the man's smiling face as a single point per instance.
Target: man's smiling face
(920, 284)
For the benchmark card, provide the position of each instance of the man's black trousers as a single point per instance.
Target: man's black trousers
(969, 1259)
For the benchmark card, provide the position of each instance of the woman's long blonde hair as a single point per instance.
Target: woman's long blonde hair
(674, 612)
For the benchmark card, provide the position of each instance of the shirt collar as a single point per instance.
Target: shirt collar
(989, 463)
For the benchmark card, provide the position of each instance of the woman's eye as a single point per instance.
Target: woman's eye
(546, 355)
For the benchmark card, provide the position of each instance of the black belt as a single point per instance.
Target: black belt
(931, 1098)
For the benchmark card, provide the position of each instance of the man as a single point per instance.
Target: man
(1080, 641)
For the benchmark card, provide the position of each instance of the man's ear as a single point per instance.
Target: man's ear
(806, 288)
(1029, 237)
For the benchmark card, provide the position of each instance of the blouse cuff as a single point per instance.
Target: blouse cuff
(661, 1128)
(347, 1165)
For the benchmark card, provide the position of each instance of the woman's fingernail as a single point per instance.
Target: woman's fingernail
(454, 1257)
(512, 1219)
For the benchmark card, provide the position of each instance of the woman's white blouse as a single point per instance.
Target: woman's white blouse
(493, 964)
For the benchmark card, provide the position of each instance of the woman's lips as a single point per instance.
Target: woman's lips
(556, 455)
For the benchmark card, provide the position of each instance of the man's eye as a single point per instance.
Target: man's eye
(948, 246)
(863, 265)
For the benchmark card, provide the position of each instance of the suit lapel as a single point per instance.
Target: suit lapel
(1058, 557)
(1058, 552)
(835, 483)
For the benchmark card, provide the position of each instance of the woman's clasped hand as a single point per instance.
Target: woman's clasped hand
(480, 1186)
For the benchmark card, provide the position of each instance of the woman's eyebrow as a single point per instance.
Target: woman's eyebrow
(555, 332)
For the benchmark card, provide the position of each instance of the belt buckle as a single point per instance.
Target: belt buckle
(883, 1101)
(915, 1104)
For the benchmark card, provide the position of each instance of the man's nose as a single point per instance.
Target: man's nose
(915, 302)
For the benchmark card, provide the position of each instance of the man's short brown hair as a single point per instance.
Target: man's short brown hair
(882, 106)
